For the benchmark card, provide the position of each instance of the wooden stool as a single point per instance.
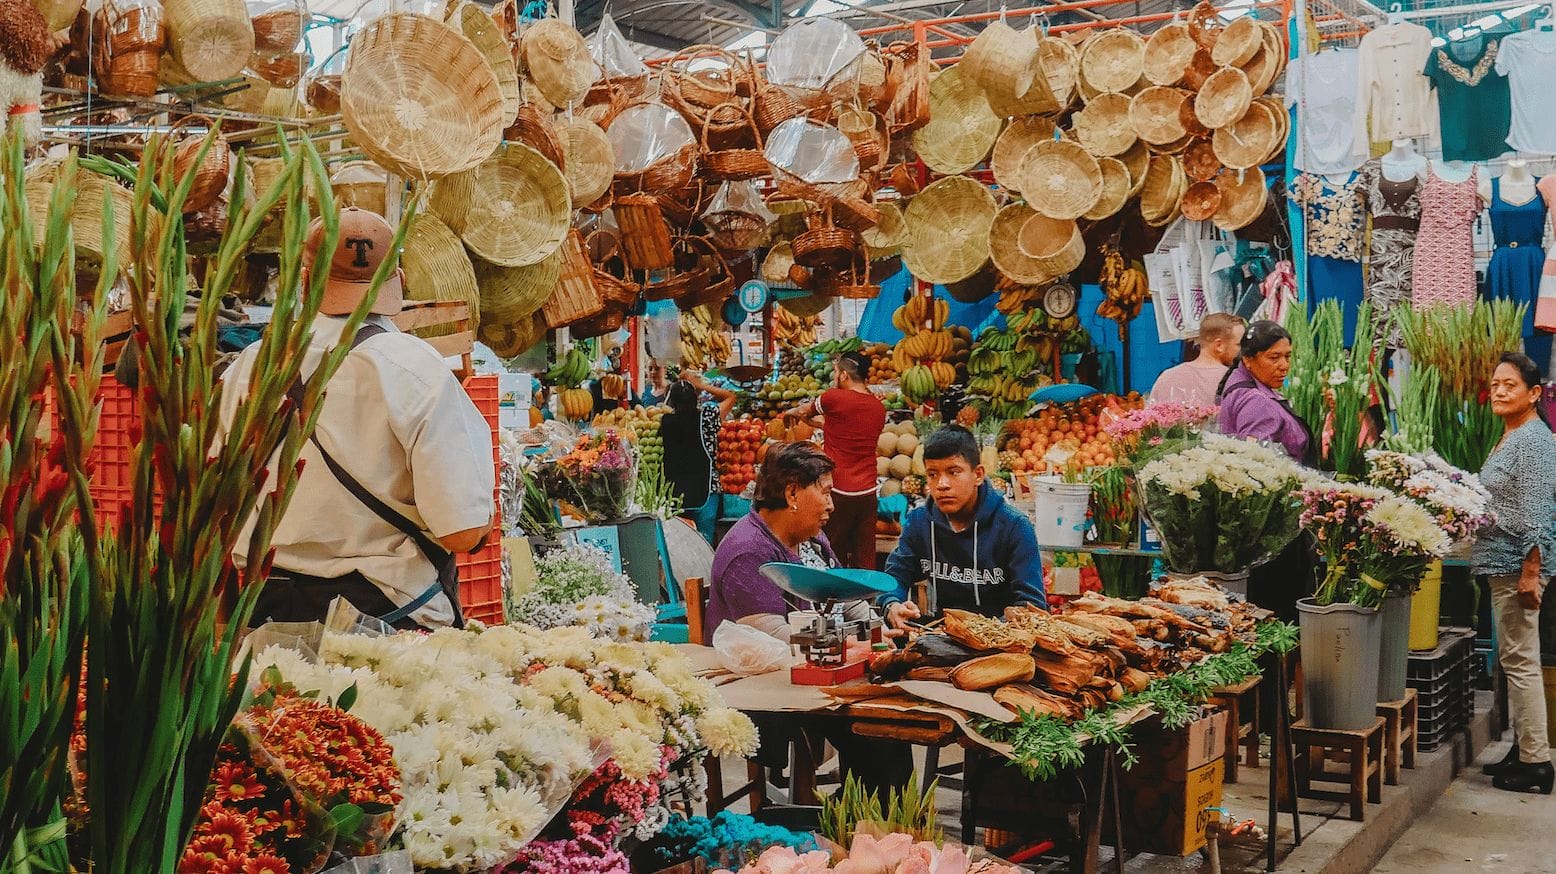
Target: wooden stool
(1399, 735)
(1241, 703)
(1362, 750)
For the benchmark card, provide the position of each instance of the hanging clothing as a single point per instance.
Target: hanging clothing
(1333, 221)
(1395, 209)
(1322, 86)
(1394, 99)
(1475, 109)
(1528, 60)
(1444, 268)
(1543, 312)
(1519, 230)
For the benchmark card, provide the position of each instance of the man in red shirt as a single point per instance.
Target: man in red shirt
(851, 420)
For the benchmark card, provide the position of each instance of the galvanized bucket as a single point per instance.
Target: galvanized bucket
(1393, 647)
(1339, 664)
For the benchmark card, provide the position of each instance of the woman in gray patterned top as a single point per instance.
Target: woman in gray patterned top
(1518, 552)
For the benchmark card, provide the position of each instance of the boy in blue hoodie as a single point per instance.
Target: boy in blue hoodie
(978, 553)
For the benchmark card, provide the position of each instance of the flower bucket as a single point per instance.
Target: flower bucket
(1393, 646)
(1339, 664)
(1059, 512)
(1425, 607)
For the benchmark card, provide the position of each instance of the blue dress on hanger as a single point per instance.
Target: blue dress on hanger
(1333, 218)
(1516, 264)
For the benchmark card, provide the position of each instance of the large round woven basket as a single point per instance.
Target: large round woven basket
(1168, 54)
(1004, 62)
(86, 215)
(1200, 162)
(1113, 60)
(590, 164)
(885, 239)
(1012, 145)
(519, 208)
(1157, 114)
(1260, 71)
(1137, 161)
(1283, 121)
(1053, 244)
(513, 340)
(1243, 196)
(1062, 67)
(948, 223)
(1060, 179)
(212, 39)
(1104, 127)
(961, 129)
(1005, 251)
(510, 294)
(1238, 42)
(482, 30)
(1115, 189)
(419, 98)
(1224, 99)
(437, 268)
(1164, 184)
(557, 60)
(1248, 141)
(1200, 201)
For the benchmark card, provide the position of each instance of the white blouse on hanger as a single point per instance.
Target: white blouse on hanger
(1391, 87)
(1528, 60)
(1321, 86)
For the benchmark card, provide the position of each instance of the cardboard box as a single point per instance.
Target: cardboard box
(1164, 797)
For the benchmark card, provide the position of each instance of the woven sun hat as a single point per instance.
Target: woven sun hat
(1055, 245)
(1157, 114)
(1224, 99)
(948, 223)
(1113, 60)
(1243, 196)
(1060, 179)
(518, 208)
(961, 129)
(588, 158)
(1061, 66)
(1103, 127)
(1200, 162)
(1137, 161)
(885, 239)
(211, 39)
(557, 60)
(1238, 42)
(437, 268)
(1168, 54)
(1012, 145)
(1201, 201)
(1248, 141)
(1163, 186)
(419, 99)
(511, 294)
(1115, 190)
(1005, 250)
(480, 28)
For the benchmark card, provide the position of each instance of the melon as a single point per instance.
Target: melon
(901, 466)
(903, 428)
(882, 466)
(906, 444)
(918, 461)
(891, 487)
(886, 445)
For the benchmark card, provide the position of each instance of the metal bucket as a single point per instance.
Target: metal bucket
(1393, 647)
(1339, 664)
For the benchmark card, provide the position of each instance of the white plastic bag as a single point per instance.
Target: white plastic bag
(748, 652)
(398, 862)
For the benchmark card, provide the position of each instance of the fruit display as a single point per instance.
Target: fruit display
(740, 450)
(640, 425)
(772, 399)
(1005, 367)
(704, 343)
(899, 457)
(1125, 288)
(793, 362)
(567, 373)
(791, 331)
(882, 368)
(927, 341)
(1065, 436)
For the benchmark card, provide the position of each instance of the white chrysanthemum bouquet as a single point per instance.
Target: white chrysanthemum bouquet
(578, 586)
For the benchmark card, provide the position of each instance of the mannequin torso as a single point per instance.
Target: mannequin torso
(1516, 186)
(1453, 171)
(1403, 162)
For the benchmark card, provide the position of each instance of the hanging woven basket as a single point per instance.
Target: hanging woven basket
(1243, 196)
(961, 129)
(212, 39)
(482, 30)
(576, 298)
(1168, 54)
(733, 165)
(1104, 127)
(1115, 190)
(611, 274)
(519, 209)
(509, 295)
(1060, 179)
(212, 172)
(557, 60)
(1006, 252)
(588, 161)
(1224, 99)
(1113, 60)
(948, 225)
(437, 268)
(1054, 245)
(1012, 146)
(645, 236)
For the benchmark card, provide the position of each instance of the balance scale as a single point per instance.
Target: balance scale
(824, 642)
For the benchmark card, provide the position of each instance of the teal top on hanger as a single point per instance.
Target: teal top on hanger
(1474, 106)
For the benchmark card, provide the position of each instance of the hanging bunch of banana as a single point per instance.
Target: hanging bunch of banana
(1014, 298)
(794, 332)
(703, 341)
(1124, 287)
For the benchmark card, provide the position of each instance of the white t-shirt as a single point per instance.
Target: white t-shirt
(1323, 88)
(398, 421)
(1528, 60)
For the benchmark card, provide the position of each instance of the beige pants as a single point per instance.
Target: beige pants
(1518, 644)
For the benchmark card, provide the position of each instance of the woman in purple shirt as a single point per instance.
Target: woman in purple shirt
(1252, 407)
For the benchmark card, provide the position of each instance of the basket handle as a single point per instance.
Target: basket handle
(745, 112)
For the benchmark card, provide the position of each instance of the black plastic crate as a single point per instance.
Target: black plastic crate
(1452, 646)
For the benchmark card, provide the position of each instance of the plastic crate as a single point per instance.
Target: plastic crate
(481, 584)
(117, 424)
(1452, 645)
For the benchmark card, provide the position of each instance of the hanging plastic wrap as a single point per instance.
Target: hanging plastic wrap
(646, 133)
(737, 218)
(278, 25)
(813, 154)
(814, 53)
(321, 87)
(662, 333)
(613, 53)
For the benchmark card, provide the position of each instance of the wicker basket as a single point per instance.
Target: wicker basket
(645, 234)
(127, 48)
(1157, 114)
(775, 267)
(282, 71)
(588, 162)
(1168, 54)
(774, 106)
(885, 239)
(419, 98)
(670, 172)
(907, 79)
(86, 216)
(518, 210)
(532, 127)
(1164, 184)
(948, 223)
(737, 231)
(826, 245)
(557, 60)
(1243, 196)
(1238, 42)
(212, 172)
(1060, 179)
(1113, 60)
(212, 39)
(961, 129)
(511, 294)
(865, 131)
(362, 184)
(1201, 201)
(1061, 65)
(513, 340)
(278, 31)
(1005, 251)
(1003, 62)
(716, 102)
(1054, 245)
(609, 321)
(1200, 162)
(680, 281)
(1103, 127)
(576, 297)
(610, 270)
(733, 165)
(1224, 99)
(484, 33)
(1116, 184)
(1012, 146)
(1247, 142)
(718, 283)
(437, 268)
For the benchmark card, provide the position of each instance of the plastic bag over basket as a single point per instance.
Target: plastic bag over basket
(813, 53)
(646, 133)
(613, 53)
(737, 218)
(812, 153)
(278, 25)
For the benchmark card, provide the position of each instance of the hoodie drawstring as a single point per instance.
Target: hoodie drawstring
(977, 599)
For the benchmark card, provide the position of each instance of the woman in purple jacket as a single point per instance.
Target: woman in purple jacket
(1252, 407)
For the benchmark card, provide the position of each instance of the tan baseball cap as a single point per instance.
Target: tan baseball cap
(364, 243)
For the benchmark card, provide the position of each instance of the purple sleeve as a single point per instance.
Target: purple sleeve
(1250, 414)
(737, 588)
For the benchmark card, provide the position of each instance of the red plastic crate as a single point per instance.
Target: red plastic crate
(480, 575)
(111, 484)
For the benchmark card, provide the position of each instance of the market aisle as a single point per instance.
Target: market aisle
(1474, 827)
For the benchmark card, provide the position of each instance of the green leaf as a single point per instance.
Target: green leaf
(347, 818)
(347, 698)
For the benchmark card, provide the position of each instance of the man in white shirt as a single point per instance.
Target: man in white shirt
(1196, 382)
(398, 478)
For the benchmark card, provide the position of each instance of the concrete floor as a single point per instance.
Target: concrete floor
(1475, 827)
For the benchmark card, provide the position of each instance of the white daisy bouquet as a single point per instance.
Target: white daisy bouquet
(1222, 504)
(578, 586)
(1455, 498)
(1399, 538)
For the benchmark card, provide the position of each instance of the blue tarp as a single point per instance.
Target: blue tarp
(875, 325)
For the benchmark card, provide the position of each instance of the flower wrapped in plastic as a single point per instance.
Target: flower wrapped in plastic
(595, 478)
(1142, 435)
(1455, 498)
(579, 586)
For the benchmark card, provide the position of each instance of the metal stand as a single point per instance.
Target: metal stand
(1282, 757)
